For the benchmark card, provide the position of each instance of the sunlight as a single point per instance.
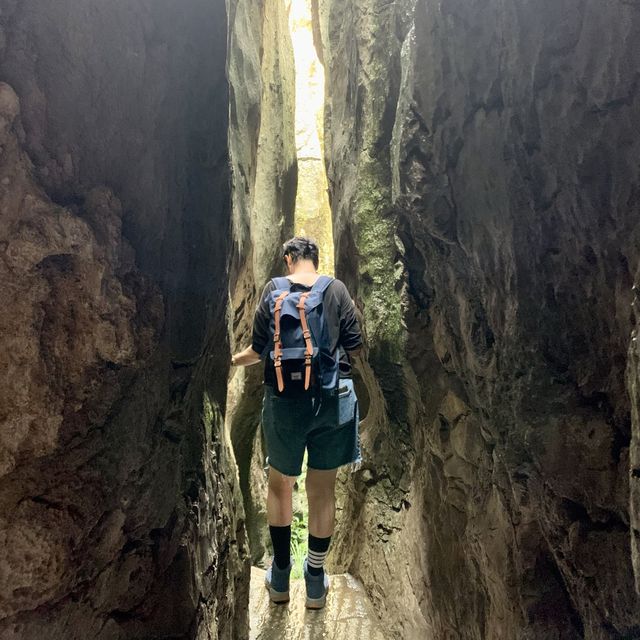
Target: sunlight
(313, 214)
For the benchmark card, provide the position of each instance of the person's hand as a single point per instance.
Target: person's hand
(245, 358)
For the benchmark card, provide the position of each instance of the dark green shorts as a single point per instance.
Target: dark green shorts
(331, 438)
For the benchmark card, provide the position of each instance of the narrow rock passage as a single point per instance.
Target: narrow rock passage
(347, 614)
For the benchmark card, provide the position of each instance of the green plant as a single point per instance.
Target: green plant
(300, 525)
(298, 544)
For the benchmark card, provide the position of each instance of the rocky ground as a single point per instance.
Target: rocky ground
(347, 614)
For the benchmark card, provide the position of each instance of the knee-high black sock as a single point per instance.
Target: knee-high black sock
(281, 540)
(318, 548)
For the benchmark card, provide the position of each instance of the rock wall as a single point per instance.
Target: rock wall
(633, 381)
(482, 161)
(116, 479)
(264, 166)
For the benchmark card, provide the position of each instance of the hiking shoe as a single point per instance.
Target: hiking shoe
(277, 581)
(317, 587)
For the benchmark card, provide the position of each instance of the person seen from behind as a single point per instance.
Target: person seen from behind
(306, 332)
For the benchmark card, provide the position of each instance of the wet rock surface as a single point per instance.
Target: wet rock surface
(482, 171)
(116, 480)
(347, 613)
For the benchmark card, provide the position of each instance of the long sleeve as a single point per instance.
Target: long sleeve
(261, 321)
(350, 334)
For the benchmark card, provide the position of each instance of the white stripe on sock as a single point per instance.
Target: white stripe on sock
(315, 559)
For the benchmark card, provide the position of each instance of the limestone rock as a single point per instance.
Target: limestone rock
(264, 169)
(633, 379)
(482, 161)
(117, 484)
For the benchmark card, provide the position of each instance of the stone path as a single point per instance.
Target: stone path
(348, 614)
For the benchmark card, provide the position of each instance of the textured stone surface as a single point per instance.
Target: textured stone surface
(263, 161)
(633, 380)
(116, 481)
(483, 172)
(347, 614)
(482, 160)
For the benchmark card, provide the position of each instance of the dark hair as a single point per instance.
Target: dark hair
(301, 248)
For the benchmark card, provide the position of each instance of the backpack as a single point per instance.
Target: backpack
(299, 356)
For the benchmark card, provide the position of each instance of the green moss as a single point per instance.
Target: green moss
(377, 249)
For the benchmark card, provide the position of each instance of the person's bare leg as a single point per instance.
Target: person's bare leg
(279, 498)
(320, 485)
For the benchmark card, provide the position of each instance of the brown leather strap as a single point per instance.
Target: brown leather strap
(277, 348)
(307, 340)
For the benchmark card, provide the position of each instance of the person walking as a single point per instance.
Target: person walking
(309, 403)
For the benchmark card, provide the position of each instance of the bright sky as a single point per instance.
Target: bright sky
(309, 80)
(313, 214)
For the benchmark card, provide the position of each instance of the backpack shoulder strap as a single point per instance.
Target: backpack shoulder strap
(322, 283)
(282, 283)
